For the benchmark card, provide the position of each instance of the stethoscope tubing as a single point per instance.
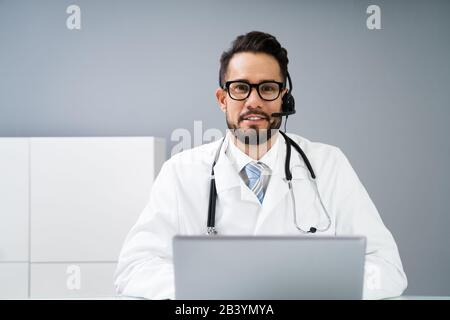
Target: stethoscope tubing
(211, 229)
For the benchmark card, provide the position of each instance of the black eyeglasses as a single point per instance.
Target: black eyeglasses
(240, 90)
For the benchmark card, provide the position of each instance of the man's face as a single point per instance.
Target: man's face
(252, 115)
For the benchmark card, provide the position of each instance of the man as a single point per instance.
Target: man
(252, 194)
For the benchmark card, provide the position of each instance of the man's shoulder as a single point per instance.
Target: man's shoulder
(321, 155)
(325, 158)
(315, 148)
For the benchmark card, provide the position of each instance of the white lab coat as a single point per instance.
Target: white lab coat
(179, 204)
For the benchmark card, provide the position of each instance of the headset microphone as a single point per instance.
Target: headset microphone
(288, 102)
(282, 114)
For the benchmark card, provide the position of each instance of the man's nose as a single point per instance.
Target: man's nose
(253, 100)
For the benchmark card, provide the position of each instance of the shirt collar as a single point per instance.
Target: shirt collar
(240, 159)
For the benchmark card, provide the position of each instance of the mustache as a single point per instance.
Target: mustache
(259, 113)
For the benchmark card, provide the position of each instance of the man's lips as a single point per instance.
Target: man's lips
(254, 118)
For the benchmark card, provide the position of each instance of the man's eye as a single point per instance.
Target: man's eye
(268, 88)
(241, 88)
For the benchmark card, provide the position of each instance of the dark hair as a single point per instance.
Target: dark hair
(255, 41)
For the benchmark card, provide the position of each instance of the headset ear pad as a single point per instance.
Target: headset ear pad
(288, 104)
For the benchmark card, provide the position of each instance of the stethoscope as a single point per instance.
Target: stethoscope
(211, 229)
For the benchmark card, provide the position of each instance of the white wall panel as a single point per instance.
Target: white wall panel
(14, 211)
(86, 193)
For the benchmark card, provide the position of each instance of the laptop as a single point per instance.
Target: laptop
(268, 267)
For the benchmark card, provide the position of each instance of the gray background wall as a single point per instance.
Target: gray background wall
(145, 68)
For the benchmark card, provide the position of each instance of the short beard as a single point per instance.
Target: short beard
(254, 135)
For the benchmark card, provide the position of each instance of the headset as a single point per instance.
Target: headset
(287, 102)
(287, 108)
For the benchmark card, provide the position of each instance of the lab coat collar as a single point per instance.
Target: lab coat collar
(297, 166)
(225, 173)
(227, 170)
(227, 176)
(240, 159)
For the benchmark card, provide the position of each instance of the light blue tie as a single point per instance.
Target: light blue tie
(257, 178)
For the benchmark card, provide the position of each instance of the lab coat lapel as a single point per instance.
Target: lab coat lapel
(278, 189)
(227, 177)
(225, 173)
(275, 193)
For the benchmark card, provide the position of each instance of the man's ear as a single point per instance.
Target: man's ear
(221, 97)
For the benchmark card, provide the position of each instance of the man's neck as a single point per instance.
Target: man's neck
(256, 151)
